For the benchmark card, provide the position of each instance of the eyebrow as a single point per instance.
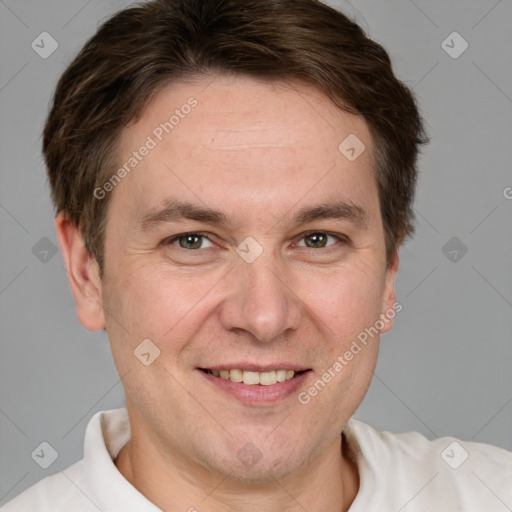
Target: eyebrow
(177, 211)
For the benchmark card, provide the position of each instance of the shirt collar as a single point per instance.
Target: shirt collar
(107, 432)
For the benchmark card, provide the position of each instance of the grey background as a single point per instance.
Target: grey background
(445, 367)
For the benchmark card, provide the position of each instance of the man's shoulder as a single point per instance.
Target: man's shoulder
(93, 483)
(63, 491)
(447, 470)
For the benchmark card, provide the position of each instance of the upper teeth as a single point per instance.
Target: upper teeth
(251, 378)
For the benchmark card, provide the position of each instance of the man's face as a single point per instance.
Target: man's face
(279, 285)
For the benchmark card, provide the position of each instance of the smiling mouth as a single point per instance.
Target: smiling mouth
(251, 378)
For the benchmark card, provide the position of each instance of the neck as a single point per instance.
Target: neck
(330, 482)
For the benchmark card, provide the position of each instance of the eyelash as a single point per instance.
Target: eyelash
(339, 237)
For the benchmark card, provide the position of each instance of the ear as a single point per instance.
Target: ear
(83, 274)
(390, 306)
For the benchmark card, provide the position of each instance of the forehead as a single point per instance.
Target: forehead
(236, 142)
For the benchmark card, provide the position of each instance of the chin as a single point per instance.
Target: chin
(262, 473)
(261, 462)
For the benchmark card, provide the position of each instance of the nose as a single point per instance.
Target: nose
(259, 301)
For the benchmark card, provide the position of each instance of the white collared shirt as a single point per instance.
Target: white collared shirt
(398, 472)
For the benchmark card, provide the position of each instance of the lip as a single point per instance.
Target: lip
(251, 367)
(256, 394)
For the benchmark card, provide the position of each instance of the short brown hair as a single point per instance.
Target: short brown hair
(141, 49)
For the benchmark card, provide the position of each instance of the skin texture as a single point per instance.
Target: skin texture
(258, 152)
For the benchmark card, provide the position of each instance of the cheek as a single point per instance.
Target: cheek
(347, 301)
(153, 301)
